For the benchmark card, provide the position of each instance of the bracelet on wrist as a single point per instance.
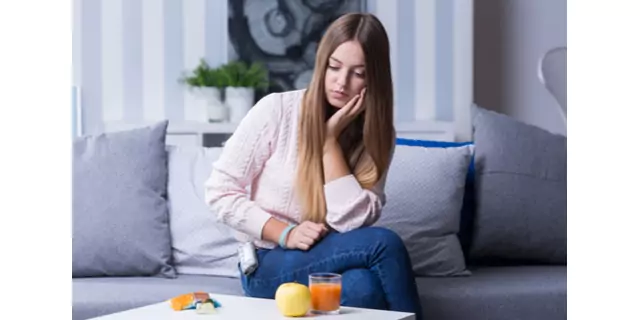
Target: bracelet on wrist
(283, 236)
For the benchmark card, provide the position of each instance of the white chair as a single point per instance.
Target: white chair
(552, 72)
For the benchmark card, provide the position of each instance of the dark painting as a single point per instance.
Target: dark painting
(283, 34)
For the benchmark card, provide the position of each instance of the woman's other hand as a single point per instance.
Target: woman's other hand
(305, 235)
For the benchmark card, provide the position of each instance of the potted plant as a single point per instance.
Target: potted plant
(207, 83)
(241, 81)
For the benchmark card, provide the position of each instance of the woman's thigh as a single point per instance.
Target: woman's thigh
(336, 252)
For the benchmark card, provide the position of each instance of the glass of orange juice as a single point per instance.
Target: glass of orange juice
(325, 292)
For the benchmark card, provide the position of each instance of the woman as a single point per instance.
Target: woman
(315, 161)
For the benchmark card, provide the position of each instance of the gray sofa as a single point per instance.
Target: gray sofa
(495, 249)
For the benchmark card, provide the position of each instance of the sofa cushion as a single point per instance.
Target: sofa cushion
(468, 202)
(424, 191)
(200, 244)
(93, 297)
(496, 293)
(521, 185)
(120, 212)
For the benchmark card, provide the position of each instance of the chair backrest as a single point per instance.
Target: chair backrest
(552, 72)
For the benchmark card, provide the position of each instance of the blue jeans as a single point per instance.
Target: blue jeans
(374, 264)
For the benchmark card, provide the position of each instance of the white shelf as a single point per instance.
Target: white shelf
(194, 127)
(201, 127)
(429, 130)
(184, 127)
(180, 131)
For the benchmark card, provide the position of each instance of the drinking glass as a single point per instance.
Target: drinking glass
(325, 292)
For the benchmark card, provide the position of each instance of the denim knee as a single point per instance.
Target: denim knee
(385, 237)
(362, 289)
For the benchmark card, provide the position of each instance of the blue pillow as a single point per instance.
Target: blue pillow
(430, 143)
(467, 213)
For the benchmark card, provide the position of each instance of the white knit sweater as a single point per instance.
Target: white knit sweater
(253, 178)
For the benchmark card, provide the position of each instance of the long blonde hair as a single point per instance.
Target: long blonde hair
(368, 141)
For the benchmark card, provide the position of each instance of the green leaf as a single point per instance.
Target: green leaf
(232, 74)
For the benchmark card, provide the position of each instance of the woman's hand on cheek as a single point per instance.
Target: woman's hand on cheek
(344, 116)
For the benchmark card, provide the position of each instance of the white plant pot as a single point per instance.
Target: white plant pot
(238, 100)
(216, 109)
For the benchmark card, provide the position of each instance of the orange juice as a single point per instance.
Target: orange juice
(325, 296)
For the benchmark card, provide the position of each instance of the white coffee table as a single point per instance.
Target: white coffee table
(238, 307)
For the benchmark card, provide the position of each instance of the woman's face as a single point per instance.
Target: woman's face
(345, 74)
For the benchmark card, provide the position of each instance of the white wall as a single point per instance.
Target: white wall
(510, 37)
(128, 55)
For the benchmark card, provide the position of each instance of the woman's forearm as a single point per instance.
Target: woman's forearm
(272, 230)
(334, 163)
(349, 205)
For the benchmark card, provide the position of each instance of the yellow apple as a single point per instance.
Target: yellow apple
(293, 299)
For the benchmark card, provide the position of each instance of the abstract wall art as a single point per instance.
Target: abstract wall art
(284, 35)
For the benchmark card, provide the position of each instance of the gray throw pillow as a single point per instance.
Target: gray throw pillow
(425, 189)
(120, 212)
(521, 192)
(201, 245)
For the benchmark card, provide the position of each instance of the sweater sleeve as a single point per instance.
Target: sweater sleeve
(241, 160)
(349, 206)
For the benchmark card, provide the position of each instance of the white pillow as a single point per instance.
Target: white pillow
(200, 245)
